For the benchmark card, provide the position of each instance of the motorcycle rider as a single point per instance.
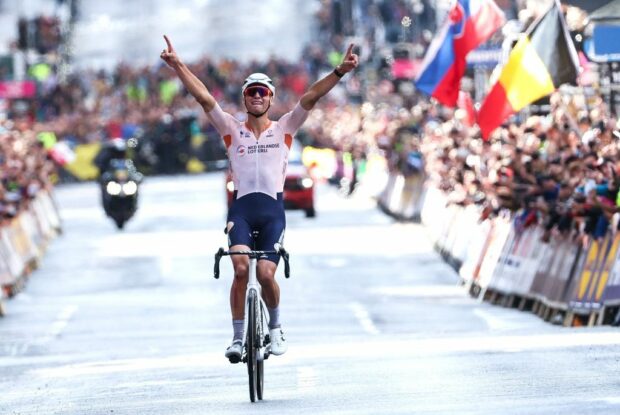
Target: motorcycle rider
(114, 156)
(115, 148)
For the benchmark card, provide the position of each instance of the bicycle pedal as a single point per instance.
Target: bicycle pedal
(234, 359)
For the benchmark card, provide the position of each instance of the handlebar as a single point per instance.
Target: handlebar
(252, 254)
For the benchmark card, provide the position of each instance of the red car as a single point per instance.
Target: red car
(298, 189)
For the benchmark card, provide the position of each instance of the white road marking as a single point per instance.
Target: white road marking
(421, 291)
(165, 265)
(15, 349)
(62, 319)
(370, 349)
(306, 378)
(364, 318)
(57, 327)
(336, 262)
(491, 320)
(495, 322)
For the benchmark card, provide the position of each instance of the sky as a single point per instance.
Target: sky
(131, 30)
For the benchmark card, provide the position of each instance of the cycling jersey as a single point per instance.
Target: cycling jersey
(258, 164)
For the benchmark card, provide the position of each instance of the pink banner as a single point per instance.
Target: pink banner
(404, 69)
(17, 89)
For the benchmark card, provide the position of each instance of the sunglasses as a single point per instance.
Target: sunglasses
(251, 91)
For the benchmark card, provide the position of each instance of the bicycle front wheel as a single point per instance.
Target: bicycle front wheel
(251, 343)
(260, 368)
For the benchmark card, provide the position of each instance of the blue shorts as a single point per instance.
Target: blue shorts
(257, 212)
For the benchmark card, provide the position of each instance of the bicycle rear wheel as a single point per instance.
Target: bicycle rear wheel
(251, 343)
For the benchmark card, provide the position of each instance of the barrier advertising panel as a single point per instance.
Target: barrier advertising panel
(5, 272)
(499, 236)
(611, 293)
(590, 285)
(564, 254)
(476, 251)
(594, 295)
(531, 253)
(13, 259)
(545, 263)
(433, 212)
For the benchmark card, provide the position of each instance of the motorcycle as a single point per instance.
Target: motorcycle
(119, 189)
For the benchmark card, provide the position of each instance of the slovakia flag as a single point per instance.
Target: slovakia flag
(469, 24)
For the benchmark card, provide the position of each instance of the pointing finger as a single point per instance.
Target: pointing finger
(170, 48)
(350, 50)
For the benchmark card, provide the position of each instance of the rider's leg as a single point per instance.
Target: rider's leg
(239, 233)
(237, 302)
(239, 239)
(271, 295)
(240, 282)
(271, 233)
(271, 290)
(266, 278)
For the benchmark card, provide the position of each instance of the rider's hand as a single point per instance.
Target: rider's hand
(169, 55)
(349, 62)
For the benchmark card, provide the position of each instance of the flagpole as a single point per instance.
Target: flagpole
(571, 48)
(612, 90)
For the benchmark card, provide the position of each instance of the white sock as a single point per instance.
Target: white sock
(237, 330)
(274, 317)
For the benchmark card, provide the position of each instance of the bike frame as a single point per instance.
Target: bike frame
(254, 356)
(264, 317)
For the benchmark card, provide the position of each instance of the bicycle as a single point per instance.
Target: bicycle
(256, 344)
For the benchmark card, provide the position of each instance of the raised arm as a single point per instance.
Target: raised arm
(191, 81)
(323, 86)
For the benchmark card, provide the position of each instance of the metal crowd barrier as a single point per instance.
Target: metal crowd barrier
(402, 195)
(564, 281)
(24, 241)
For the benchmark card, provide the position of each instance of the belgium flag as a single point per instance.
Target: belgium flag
(542, 60)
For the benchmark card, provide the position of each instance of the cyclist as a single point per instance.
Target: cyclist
(258, 151)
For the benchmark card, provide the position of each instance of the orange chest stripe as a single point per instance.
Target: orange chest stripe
(227, 140)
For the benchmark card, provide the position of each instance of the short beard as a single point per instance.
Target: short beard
(261, 114)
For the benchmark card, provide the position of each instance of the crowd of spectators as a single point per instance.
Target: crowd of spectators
(149, 102)
(90, 106)
(24, 169)
(561, 169)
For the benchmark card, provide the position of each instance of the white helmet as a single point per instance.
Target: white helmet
(118, 144)
(261, 79)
